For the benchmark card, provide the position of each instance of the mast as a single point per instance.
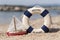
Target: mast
(15, 24)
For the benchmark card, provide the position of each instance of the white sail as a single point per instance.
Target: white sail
(15, 25)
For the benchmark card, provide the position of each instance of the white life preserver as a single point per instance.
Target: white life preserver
(43, 12)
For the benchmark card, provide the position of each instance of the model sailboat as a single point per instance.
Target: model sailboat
(15, 28)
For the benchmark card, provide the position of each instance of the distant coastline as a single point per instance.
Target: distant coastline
(23, 8)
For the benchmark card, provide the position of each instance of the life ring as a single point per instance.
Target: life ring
(43, 12)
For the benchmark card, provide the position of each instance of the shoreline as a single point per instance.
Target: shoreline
(23, 8)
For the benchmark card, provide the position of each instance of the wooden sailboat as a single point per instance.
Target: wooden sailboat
(15, 28)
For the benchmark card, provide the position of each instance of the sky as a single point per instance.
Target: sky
(29, 2)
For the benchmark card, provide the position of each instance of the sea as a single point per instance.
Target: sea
(6, 17)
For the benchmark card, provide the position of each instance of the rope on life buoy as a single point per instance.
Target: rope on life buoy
(43, 12)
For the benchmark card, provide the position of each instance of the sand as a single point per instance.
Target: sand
(54, 33)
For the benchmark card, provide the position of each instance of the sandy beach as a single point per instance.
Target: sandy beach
(54, 33)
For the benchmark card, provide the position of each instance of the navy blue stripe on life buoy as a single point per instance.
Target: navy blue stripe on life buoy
(44, 13)
(27, 13)
(45, 29)
(29, 30)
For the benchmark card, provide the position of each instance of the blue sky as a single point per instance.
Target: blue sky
(30, 2)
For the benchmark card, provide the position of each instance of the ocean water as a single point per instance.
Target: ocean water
(6, 17)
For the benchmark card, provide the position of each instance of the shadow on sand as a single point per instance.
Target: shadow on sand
(52, 30)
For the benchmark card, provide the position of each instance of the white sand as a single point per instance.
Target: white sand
(54, 33)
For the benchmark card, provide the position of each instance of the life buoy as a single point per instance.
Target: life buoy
(43, 12)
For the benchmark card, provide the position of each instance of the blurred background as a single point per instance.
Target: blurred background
(8, 8)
